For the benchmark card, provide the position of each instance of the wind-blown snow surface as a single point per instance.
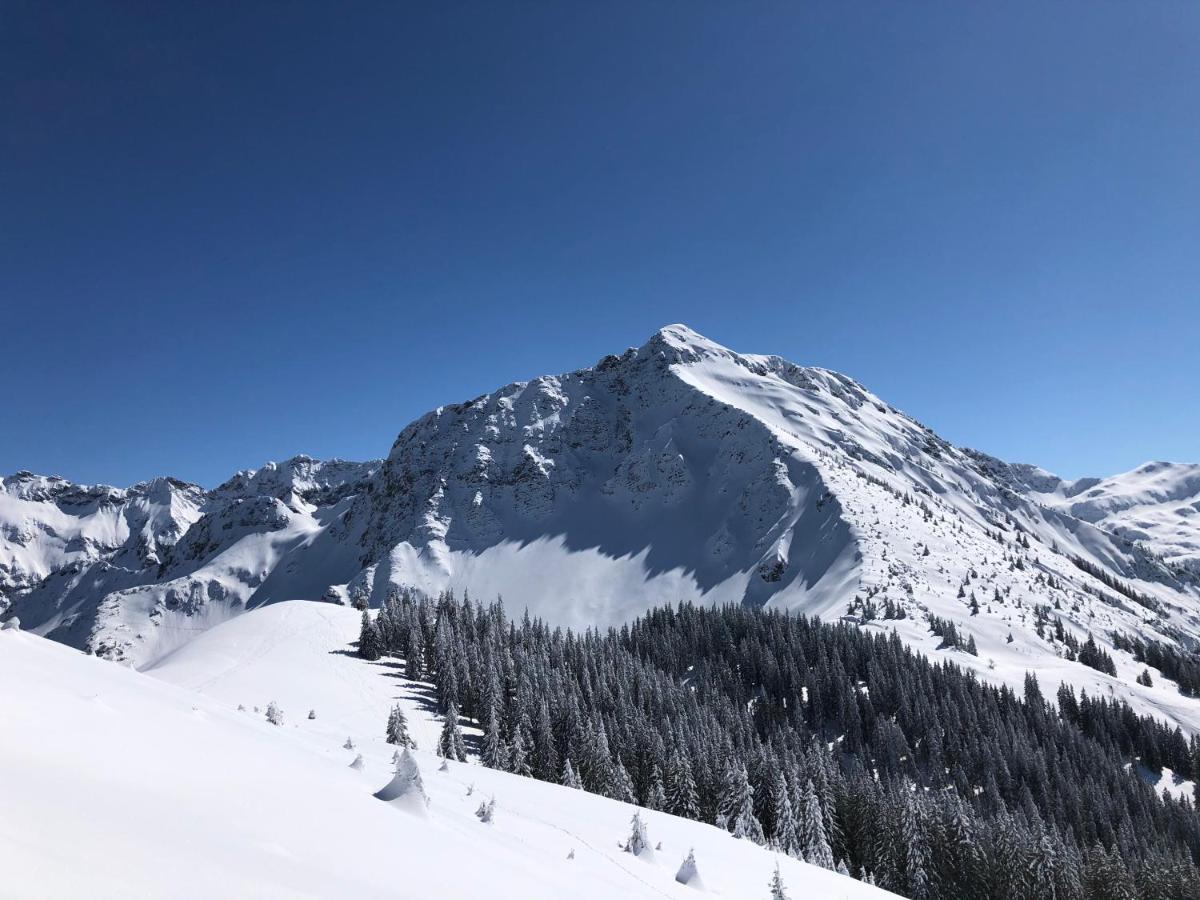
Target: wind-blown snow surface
(679, 470)
(117, 784)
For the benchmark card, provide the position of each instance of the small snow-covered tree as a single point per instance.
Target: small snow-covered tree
(621, 786)
(687, 869)
(486, 811)
(274, 714)
(358, 763)
(397, 728)
(569, 777)
(349, 745)
(406, 788)
(638, 841)
(312, 713)
(777, 889)
(450, 745)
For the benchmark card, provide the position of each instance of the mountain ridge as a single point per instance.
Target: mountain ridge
(677, 470)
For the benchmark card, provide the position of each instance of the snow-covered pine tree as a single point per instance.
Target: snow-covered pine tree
(622, 785)
(451, 745)
(486, 811)
(518, 758)
(368, 638)
(544, 761)
(274, 714)
(638, 841)
(784, 836)
(682, 799)
(397, 728)
(814, 845)
(494, 756)
(656, 795)
(777, 889)
(687, 869)
(736, 806)
(406, 789)
(569, 777)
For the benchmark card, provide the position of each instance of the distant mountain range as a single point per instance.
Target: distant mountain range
(676, 471)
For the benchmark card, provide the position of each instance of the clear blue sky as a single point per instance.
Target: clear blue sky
(232, 232)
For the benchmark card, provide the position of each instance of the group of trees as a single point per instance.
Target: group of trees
(831, 743)
(1181, 666)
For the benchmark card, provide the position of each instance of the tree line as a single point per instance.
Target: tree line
(829, 742)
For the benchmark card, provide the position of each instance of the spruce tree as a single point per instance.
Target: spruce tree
(450, 745)
(494, 756)
(397, 728)
(638, 842)
(681, 788)
(736, 808)
(777, 889)
(569, 777)
(784, 834)
(814, 844)
(368, 639)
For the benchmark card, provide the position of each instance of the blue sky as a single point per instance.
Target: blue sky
(236, 232)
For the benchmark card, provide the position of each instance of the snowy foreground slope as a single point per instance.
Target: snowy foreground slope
(679, 470)
(116, 783)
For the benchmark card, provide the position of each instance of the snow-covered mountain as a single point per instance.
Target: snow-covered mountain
(679, 470)
(1157, 505)
(157, 785)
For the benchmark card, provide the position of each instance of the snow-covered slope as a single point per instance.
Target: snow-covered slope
(679, 470)
(119, 784)
(1157, 504)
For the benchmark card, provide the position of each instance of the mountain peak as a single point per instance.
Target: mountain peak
(679, 343)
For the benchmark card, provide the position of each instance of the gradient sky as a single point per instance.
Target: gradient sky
(233, 232)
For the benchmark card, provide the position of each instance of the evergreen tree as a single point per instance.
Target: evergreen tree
(486, 811)
(681, 788)
(397, 728)
(777, 889)
(736, 810)
(814, 844)
(518, 758)
(656, 796)
(450, 745)
(638, 842)
(785, 836)
(569, 778)
(687, 869)
(494, 756)
(368, 639)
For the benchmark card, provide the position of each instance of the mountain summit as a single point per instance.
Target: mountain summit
(676, 471)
